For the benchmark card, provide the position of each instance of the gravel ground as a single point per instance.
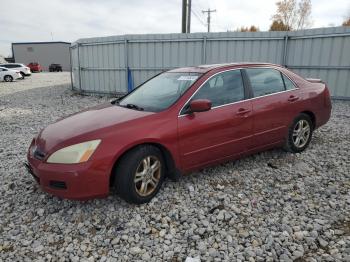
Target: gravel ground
(268, 207)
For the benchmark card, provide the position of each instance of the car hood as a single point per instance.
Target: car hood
(85, 122)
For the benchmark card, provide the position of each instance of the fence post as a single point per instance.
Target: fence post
(285, 50)
(71, 67)
(126, 62)
(204, 50)
(79, 67)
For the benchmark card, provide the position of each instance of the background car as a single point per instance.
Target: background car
(24, 70)
(9, 75)
(55, 68)
(35, 67)
(175, 123)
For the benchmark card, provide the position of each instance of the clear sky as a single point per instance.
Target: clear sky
(69, 20)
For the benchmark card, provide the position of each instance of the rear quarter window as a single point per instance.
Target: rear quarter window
(288, 83)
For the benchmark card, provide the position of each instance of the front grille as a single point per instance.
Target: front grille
(39, 154)
(58, 184)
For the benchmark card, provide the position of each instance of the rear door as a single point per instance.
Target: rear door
(223, 132)
(272, 106)
(273, 102)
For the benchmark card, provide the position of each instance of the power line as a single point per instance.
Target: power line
(198, 18)
(225, 28)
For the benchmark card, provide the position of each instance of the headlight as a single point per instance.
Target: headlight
(78, 153)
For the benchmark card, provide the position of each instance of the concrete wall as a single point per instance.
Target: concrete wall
(100, 64)
(44, 53)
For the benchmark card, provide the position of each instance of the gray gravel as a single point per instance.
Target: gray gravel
(267, 207)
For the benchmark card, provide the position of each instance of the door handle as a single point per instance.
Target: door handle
(293, 98)
(242, 111)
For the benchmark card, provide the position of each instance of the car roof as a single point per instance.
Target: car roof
(11, 64)
(206, 68)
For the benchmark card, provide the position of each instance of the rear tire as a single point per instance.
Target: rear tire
(139, 174)
(8, 78)
(299, 134)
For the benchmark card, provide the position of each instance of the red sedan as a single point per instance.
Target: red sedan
(176, 122)
(35, 67)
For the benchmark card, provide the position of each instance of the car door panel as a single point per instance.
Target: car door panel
(272, 106)
(223, 132)
(270, 114)
(216, 134)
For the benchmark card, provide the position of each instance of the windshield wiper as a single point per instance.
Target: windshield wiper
(132, 106)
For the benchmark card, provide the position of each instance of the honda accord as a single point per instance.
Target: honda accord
(174, 123)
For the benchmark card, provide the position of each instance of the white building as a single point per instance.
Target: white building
(44, 53)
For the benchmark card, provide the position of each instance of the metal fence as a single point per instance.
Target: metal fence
(100, 65)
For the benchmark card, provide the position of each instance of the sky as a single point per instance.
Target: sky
(69, 20)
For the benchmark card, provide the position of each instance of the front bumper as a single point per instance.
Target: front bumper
(71, 181)
(27, 72)
(18, 76)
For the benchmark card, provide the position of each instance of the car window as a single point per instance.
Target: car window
(223, 88)
(160, 92)
(265, 81)
(288, 83)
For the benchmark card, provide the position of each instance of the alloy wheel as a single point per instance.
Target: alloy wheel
(301, 133)
(147, 175)
(8, 79)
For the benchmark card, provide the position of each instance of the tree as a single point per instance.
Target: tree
(252, 28)
(294, 15)
(347, 19)
(278, 26)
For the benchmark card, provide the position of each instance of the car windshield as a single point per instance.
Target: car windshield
(160, 92)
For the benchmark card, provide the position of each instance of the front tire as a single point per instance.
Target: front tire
(8, 78)
(139, 174)
(23, 75)
(299, 134)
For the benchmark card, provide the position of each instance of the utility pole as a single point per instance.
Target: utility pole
(184, 15)
(208, 19)
(188, 16)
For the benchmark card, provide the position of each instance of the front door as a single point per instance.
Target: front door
(224, 131)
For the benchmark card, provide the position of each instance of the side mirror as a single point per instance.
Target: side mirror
(200, 105)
